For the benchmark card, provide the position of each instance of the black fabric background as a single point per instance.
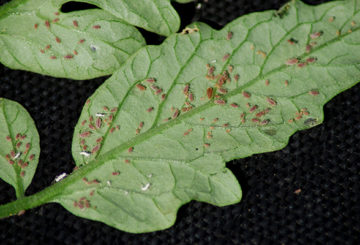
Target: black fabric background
(323, 161)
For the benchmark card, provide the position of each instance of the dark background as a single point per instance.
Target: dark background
(323, 161)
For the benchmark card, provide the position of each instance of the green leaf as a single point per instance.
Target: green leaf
(35, 36)
(153, 15)
(157, 133)
(19, 146)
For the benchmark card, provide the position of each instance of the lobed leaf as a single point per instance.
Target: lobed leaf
(19, 146)
(36, 36)
(159, 131)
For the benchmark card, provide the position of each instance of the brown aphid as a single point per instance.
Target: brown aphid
(8, 138)
(137, 131)
(236, 77)
(226, 57)
(95, 149)
(262, 53)
(311, 59)
(85, 134)
(286, 83)
(92, 193)
(57, 13)
(234, 105)
(75, 23)
(308, 48)
(68, 56)
(260, 114)
(271, 101)
(114, 109)
(18, 145)
(176, 114)
(230, 68)
(267, 82)
(22, 173)
(83, 123)
(291, 120)
(13, 154)
(316, 34)
(42, 51)
(206, 145)
(141, 125)
(131, 149)
(252, 109)
(75, 52)
(127, 161)
(48, 46)
(255, 120)
(209, 92)
(57, 39)
(246, 94)
(220, 102)
(112, 130)
(141, 87)
(47, 24)
(314, 92)
(151, 80)
(28, 145)
(186, 89)
(265, 122)
(191, 97)
(55, 20)
(353, 23)
(91, 126)
(292, 41)
(53, 57)
(222, 91)
(159, 91)
(331, 18)
(98, 122)
(229, 35)
(96, 27)
(211, 70)
(292, 61)
(81, 41)
(32, 157)
(36, 25)
(150, 109)
(302, 64)
(115, 173)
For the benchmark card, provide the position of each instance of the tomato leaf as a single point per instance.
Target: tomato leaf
(35, 36)
(19, 146)
(158, 132)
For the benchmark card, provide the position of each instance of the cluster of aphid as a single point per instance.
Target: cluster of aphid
(58, 40)
(20, 154)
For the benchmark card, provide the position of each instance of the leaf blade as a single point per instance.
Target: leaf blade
(78, 45)
(267, 88)
(19, 147)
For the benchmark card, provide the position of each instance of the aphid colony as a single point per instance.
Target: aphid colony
(58, 40)
(20, 156)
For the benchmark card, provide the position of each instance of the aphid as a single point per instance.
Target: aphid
(114, 109)
(262, 53)
(137, 131)
(271, 101)
(234, 105)
(229, 35)
(60, 177)
(220, 102)
(265, 122)
(236, 77)
(36, 25)
(226, 56)
(286, 83)
(255, 120)
(127, 161)
(8, 138)
(92, 127)
(246, 94)
(81, 40)
(99, 122)
(112, 130)
(202, 119)
(141, 125)
(22, 173)
(42, 51)
(230, 68)
(115, 173)
(28, 146)
(32, 157)
(353, 23)
(92, 193)
(314, 92)
(267, 82)
(18, 145)
(292, 61)
(75, 52)
(141, 87)
(302, 64)
(211, 70)
(176, 114)
(68, 56)
(291, 120)
(145, 187)
(95, 149)
(311, 60)
(151, 80)
(252, 109)
(55, 20)
(85, 153)
(242, 115)
(56, 13)
(75, 23)
(150, 109)
(85, 134)
(191, 97)
(331, 18)
(96, 27)
(47, 24)
(186, 89)
(209, 92)
(83, 123)
(316, 34)
(159, 91)
(163, 96)
(207, 145)
(308, 48)
(131, 149)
